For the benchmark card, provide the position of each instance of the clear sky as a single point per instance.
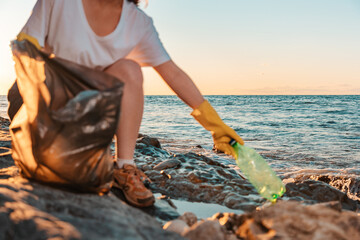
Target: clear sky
(241, 46)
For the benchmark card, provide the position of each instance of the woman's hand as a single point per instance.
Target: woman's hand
(185, 88)
(222, 134)
(23, 36)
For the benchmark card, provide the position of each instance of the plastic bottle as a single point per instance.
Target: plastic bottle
(258, 172)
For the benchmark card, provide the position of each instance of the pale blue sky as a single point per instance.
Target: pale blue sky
(242, 47)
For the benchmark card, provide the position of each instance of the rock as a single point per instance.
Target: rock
(30, 210)
(34, 211)
(312, 191)
(177, 226)
(168, 201)
(225, 219)
(205, 230)
(333, 205)
(205, 159)
(234, 200)
(249, 230)
(4, 122)
(189, 217)
(149, 141)
(292, 220)
(346, 184)
(151, 151)
(194, 178)
(170, 163)
(231, 237)
(162, 210)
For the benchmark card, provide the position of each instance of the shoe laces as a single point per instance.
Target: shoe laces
(136, 172)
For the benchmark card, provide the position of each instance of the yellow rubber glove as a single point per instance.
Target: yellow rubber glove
(22, 36)
(222, 134)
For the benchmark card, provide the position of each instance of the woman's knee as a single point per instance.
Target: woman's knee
(128, 71)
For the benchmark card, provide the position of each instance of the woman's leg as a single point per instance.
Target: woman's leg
(128, 178)
(131, 107)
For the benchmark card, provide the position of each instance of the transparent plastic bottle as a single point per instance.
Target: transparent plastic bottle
(258, 172)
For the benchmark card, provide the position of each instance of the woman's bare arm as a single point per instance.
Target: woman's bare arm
(180, 83)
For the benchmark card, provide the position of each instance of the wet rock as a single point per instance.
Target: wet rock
(312, 191)
(205, 159)
(223, 173)
(206, 230)
(194, 178)
(162, 210)
(189, 168)
(168, 200)
(141, 146)
(246, 206)
(149, 141)
(189, 217)
(170, 163)
(234, 200)
(145, 168)
(150, 151)
(4, 123)
(201, 179)
(177, 226)
(348, 185)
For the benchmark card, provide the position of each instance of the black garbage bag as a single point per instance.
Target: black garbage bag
(62, 132)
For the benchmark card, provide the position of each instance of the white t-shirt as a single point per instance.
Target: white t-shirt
(62, 24)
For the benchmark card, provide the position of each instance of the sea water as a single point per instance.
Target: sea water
(292, 133)
(3, 106)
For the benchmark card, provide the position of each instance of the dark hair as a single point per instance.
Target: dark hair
(135, 1)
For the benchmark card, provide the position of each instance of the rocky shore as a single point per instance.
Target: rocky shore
(315, 206)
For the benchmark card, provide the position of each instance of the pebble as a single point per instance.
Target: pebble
(189, 217)
(206, 230)
(170, 163)
(176, 225)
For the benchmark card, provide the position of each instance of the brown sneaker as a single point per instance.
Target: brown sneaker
(130, 179)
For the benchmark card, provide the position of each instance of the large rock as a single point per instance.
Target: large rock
(311, 191)
(33, 211)
(30, 210)
(292, 220)
(148, 141)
